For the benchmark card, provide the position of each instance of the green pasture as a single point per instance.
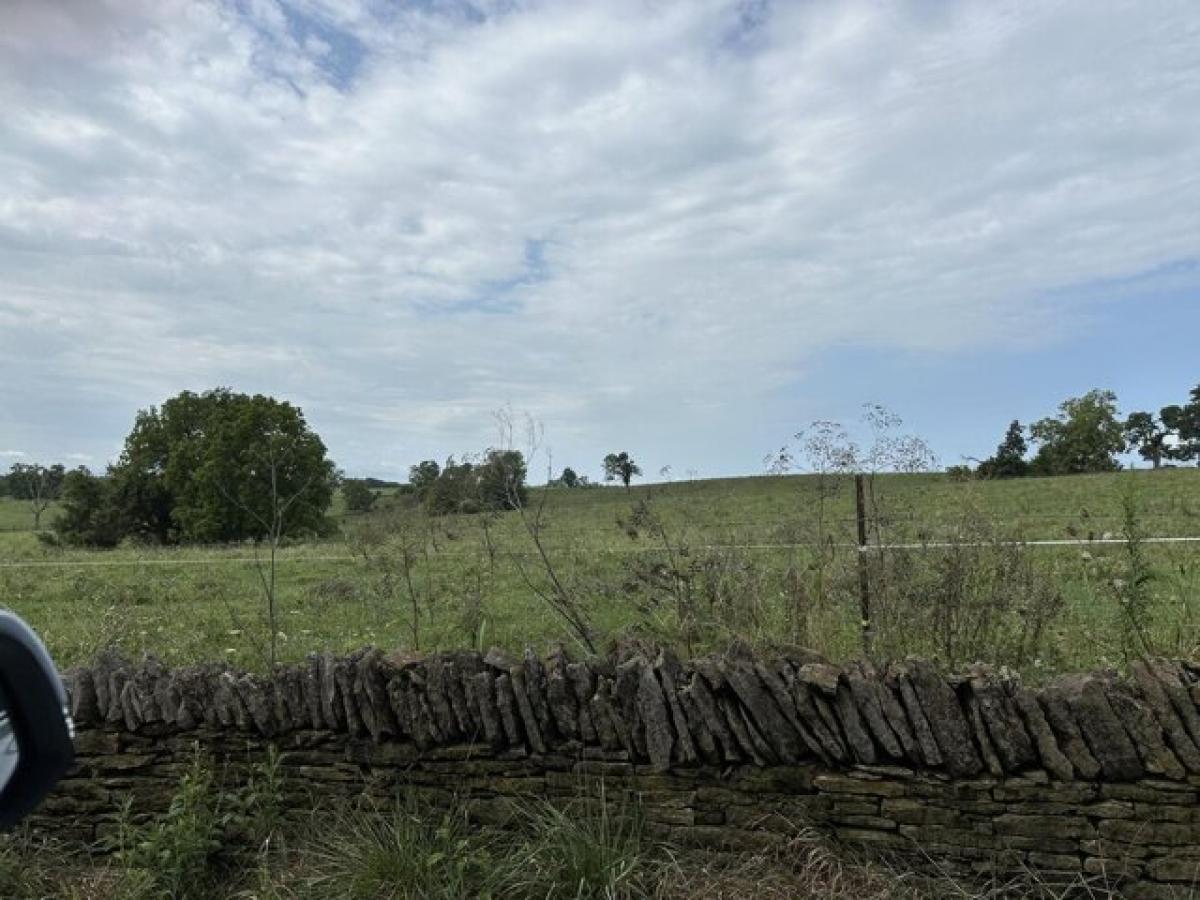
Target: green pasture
(706, 563)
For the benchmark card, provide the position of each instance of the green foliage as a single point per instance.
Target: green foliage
(1133, 587)
(182, 853)
(26, 481)
(423, 476)
(358, 495)
(18, 879)
(218, 467)
(771, 552)
(501, 480)
(1148, 434)
(977, 594)
(408, 851)
(1185, 421)
(620, 467)
(171, 857)
(1085, 437)
(90, 516)
(495, 483)
(591, 848)
(571, 480)
(454, 490)
(1009, 459)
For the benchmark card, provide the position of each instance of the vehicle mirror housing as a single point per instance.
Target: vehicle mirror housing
(36, 732)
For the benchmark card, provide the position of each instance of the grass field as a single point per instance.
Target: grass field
(765, 560)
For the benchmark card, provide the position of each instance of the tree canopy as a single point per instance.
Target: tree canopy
(220, 466)
(1086, 436)
(494, 483)
(1186, 424)
(90, 514)
(620, 467)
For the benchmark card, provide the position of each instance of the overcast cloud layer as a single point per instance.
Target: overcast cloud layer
(646, 223)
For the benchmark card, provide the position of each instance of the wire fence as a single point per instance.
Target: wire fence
(599, 551)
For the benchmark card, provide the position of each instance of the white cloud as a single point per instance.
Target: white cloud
(194, 196)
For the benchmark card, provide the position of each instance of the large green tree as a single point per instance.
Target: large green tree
(222, 466)
(1149, 434)
(1086, 436)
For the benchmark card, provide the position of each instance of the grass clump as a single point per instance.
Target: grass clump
(588, 849)
(408, 851)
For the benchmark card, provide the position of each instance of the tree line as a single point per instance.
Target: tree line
(494, 482)
(220, 467)
(223, 467)
(1088, 434)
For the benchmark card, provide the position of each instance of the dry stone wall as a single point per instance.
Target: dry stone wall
(1088, 776)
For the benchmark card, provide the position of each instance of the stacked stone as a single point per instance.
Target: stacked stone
(647, 706)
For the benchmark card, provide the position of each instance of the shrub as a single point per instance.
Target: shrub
(171, 857)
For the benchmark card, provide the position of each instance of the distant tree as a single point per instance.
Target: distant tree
(358, 495)
(497, 482)
(501, 480)
(1148, 434)
(218, 466)
(454, 490)
(569, 479)
(1009, 459)
(423, 475)
(90, 515)
(37, 485)
(620, 467)
(1086, 436)
(378, 484)
(1185, 420)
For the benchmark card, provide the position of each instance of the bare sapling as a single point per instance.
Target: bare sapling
(276, 456)
(553, 588)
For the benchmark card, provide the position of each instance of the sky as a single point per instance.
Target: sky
(681, 229)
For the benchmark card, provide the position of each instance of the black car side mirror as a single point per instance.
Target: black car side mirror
(36, 733)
